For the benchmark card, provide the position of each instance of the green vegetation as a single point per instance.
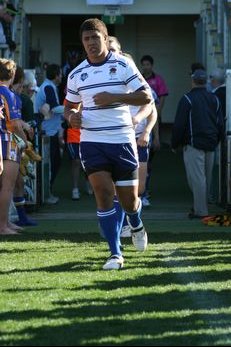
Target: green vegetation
(53, 291)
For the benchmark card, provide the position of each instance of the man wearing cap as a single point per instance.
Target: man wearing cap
(198, 127)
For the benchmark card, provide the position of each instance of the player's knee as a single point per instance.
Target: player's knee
(131, 205)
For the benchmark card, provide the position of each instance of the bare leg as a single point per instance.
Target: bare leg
(8, 180)
(103, 187)
(75, 171)
(128, 197)
(142, 177)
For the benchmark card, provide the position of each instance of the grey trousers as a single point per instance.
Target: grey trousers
(199, 167)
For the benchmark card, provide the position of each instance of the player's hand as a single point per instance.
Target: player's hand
(143, 140)
(74, 118)
(104, 99)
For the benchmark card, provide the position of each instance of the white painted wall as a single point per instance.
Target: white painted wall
(139, 7)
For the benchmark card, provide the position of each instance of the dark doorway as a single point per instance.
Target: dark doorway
(70, 34)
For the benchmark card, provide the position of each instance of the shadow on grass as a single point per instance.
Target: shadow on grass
(191, 313)
(170, 319)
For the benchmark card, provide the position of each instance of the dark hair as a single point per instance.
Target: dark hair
(196, 66)
(19, 75)
(147, 58)
(93, 24)
(52, 71)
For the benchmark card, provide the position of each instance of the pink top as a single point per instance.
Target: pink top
(158, 84)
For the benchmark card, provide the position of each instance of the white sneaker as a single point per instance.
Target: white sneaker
(126, 231)
(115, 262)
(75, 194)
(52, 200)
(140, 240)
(145, 202)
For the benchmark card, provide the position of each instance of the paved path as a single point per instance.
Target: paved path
(92, 216)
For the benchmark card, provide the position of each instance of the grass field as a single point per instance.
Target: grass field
(178, 293)
(53, 291)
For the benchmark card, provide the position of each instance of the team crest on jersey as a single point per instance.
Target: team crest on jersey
(84, 76)
(112, 72)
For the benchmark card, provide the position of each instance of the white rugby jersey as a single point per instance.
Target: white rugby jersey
(139, 128)
(112, 123)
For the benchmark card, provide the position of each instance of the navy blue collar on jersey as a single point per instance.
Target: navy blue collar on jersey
(102, 62)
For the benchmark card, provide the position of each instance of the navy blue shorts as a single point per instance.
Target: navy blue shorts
(73, 150)
(121, 160)
(143, 153)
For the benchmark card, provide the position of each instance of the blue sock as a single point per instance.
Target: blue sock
(135, 218)
(125, 221)
(110, 227)
(120, 213)
(19, 200)
(23, 219)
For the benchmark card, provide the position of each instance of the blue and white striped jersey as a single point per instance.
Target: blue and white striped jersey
(117, 74)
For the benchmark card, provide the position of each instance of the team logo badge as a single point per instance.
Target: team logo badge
(112, 71)
(84, 76)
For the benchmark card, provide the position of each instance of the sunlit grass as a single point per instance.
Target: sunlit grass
(54, 292)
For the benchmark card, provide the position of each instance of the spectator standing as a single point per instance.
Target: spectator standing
(196, 66)
(106, 84)
(155, 81)
(7, 15)
(72, 60)
(217, 83)
(72, 142)
(48, 94)
(198, 127)
(160, 91)
(13, 141)
(28, 91)
(19, 190)
(217, 80)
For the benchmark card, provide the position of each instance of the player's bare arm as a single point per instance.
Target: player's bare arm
(144, 138)
(72, 114)
(16, 128)
(137, 98)
(143, 113)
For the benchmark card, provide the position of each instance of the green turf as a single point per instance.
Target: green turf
(53, 291)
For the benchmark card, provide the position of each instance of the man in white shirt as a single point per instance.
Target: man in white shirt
(105, 84)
